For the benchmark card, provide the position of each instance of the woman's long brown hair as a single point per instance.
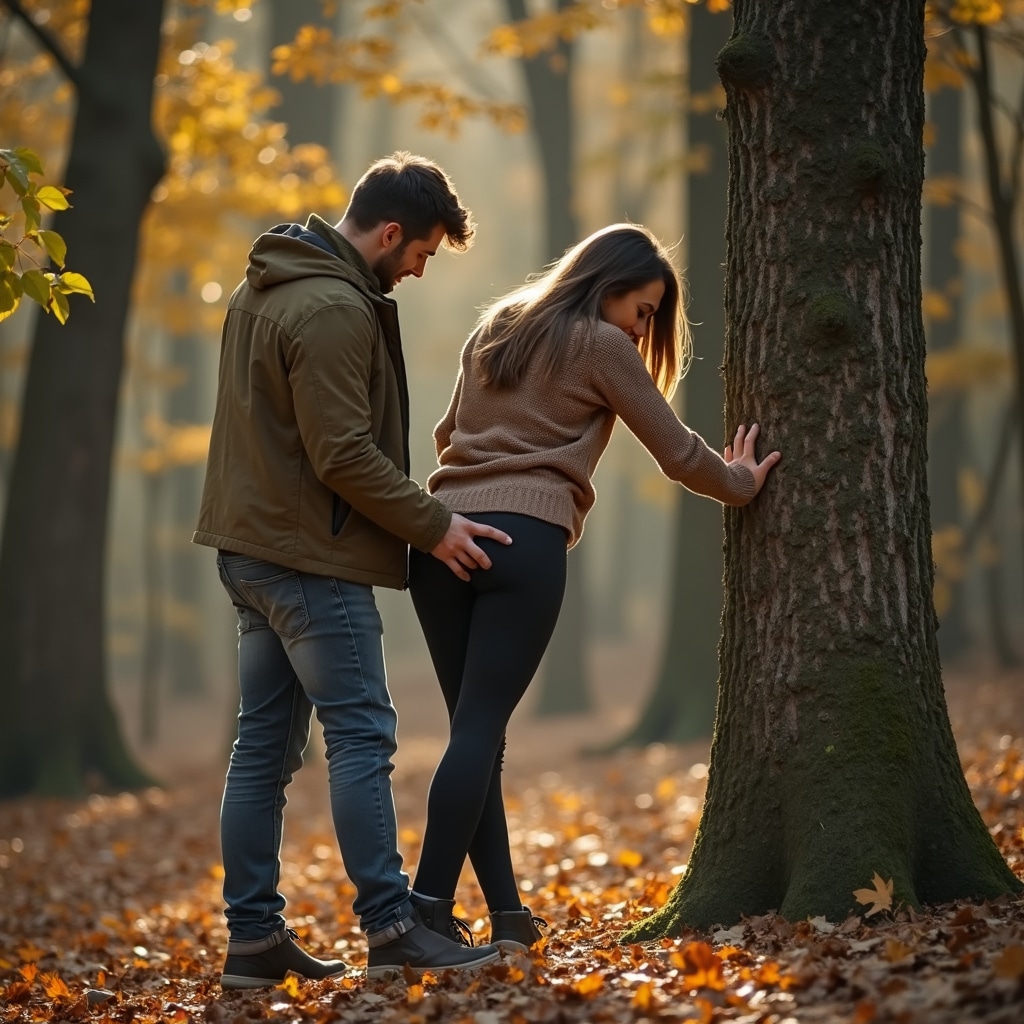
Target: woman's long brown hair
(536, 320)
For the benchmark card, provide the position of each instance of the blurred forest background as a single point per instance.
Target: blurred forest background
(553, 119)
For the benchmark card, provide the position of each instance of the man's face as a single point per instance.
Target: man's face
(406, 257)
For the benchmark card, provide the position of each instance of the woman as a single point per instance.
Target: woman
(601, 334)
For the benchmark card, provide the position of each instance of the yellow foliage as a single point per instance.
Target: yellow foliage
(942, 190)
(935, 306)
(26, 248)
(544, 31)
(976, 12)
(962, 368)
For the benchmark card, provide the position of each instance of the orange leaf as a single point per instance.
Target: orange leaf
(53, 985)
(30, 952)
(865, 1012)
(701, 966)
(589, 984)
(16, 992)
(643, 998)
(1010, 963)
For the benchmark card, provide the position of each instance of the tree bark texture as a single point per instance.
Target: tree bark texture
(682, 705)
(58, 724)
(833, 756)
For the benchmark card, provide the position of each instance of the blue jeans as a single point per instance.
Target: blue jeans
(305, 642)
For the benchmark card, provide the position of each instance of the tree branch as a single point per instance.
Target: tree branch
(436, 31)
(47, 40)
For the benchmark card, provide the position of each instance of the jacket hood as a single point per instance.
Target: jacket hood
(288, 252)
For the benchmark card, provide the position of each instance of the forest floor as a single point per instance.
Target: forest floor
(110, 906)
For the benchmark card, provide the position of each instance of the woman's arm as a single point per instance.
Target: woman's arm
(622, 379)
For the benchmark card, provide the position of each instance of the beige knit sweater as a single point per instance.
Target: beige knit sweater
(533, 449)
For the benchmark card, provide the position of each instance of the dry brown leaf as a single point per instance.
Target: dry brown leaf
(879, 895)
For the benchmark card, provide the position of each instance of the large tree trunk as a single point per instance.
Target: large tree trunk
(562, 677)
(682, 705)
(58, 724)
(833, 756)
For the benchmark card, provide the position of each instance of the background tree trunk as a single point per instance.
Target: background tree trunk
(833, 756)
(562, 676)
(682, 705)
(58, 724)
(946, 444)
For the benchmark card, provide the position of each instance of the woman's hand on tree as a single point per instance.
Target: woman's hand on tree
(742, 451)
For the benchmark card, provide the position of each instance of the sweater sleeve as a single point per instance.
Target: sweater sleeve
(624, 383)
(329, 367)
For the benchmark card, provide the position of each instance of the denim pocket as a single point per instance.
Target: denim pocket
(281, 600)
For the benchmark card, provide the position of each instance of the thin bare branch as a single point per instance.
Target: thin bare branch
(437, 32)
(47, 40)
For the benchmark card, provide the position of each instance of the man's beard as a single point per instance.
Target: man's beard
(385, 269)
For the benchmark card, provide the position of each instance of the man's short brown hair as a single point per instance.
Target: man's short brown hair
(415, 193)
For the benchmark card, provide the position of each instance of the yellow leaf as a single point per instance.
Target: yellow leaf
(879, 896)
(29, 953)
(55, 246)
(896, 949)
(289, 986)
(629, 858)
(74, 284)
(52, 198)
(36, 286)
(58, 306)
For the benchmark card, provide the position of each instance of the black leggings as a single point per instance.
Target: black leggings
(486, 639)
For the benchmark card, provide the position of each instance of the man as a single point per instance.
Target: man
(308, 500)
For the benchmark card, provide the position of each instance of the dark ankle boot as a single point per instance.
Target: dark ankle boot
(515, 931)
(438, 917)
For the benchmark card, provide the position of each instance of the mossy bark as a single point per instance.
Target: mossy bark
(833, 756)
(58, 730)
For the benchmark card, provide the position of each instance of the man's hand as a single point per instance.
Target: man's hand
(458, 548)
(742, 451)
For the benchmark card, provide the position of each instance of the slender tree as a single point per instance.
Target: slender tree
(944, 277)
(563, 686)
(682, 705)
(58, 722)
(833, 756)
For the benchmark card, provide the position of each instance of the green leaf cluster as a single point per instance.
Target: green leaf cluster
(27, 248)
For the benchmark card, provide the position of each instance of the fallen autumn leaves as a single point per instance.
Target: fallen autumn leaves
(110, 913)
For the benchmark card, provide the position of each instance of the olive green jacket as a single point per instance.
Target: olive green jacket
(309, 452)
